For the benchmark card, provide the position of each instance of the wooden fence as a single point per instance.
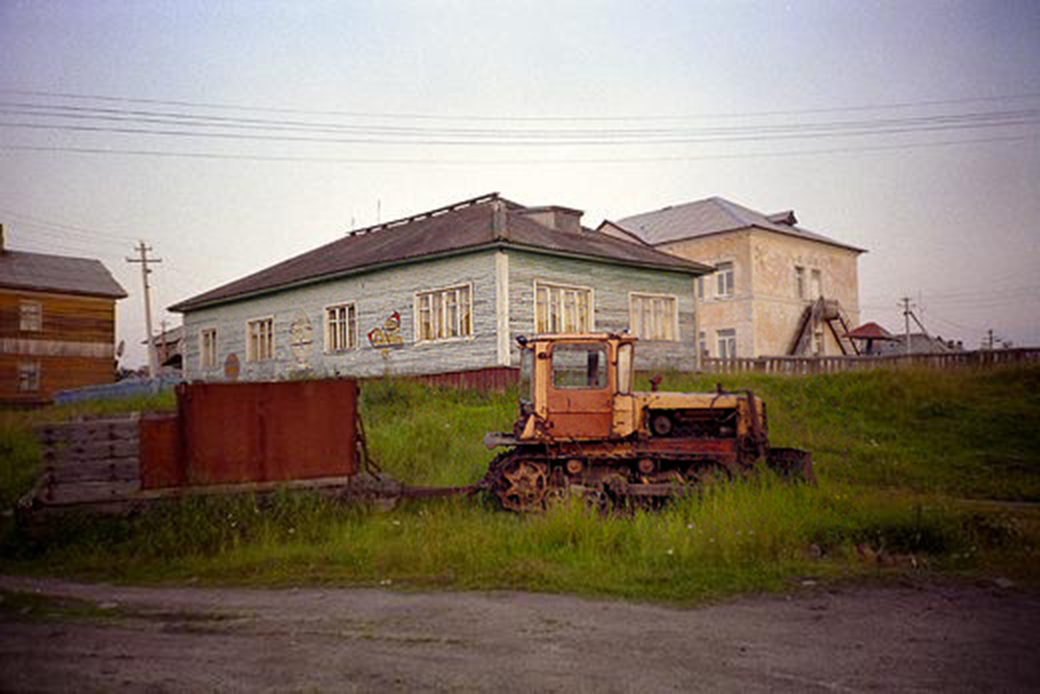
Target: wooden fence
(815, 365)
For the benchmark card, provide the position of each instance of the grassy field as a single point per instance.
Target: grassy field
(919, 472)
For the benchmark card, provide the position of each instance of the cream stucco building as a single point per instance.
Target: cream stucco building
(778, 288)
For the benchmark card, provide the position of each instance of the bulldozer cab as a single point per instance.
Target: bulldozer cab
(569, 384)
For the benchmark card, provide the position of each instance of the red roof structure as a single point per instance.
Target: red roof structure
(870, 331)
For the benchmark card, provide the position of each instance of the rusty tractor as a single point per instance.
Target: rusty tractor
(583, 431)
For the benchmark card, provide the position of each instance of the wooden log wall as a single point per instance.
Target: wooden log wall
(89, 462)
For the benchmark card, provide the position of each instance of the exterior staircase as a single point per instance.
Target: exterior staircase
(822, 311)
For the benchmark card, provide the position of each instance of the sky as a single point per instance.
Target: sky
(231, 135)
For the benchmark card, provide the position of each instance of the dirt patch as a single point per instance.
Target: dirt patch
(929, 637)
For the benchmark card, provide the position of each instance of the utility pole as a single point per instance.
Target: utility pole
(989, 339)
(143, 251)
(906, 315)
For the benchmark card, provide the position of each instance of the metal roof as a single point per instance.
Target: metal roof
(485, 222)
(57, 273)
(714, 216)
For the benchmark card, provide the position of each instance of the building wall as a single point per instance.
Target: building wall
(501, 281)
(73, 348)
(717, 313)
(765, 310)
(611, 286)
(376, 296)
(777, 307)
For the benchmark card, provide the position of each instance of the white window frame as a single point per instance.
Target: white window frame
(30, 374)
(251, 351)
(556, 307)
(663, 327)
(700, 288)
(726, 342)
(331, 326)
(800, 281)
(30, 316)
(446, 321)
(725, 280)
(816, 283)
(702, 344)
(208, 348)
(819, 343)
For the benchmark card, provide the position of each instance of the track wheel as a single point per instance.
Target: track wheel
(524, 485)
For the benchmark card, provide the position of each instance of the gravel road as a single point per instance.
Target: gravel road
(929, 637)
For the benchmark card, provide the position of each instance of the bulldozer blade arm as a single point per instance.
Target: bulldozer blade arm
(791, 464)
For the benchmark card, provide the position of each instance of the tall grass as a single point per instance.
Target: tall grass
(894, 451)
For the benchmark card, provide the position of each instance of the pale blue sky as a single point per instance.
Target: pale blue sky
(951, 217)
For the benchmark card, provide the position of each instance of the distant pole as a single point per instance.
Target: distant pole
(906, 330)
(143, 251)
(989, 339)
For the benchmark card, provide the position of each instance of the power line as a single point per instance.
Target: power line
(510, 162)
(191, 120)
(513, 118)
(518, 140)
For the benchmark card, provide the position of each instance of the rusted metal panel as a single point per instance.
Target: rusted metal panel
(161, 464)
(264, 432)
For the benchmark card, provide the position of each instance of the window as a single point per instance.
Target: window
(562, 309)
(260, 339)
(653, 316)
(625, 369)
(340, 328)
(30, 316)
(444, 314)
(818, 342)
(208, 348)
(702, 343)
(724, 280)
(29, 377)
(579, 366)
(700, 287)
(799, 282)
(817, 285)
(727, 340)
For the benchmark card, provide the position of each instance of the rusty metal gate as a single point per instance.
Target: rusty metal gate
(226, 433)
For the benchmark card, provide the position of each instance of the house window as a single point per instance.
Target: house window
(260, 339)
(724, 280)
(727, 343)
(208, 348)
(817, 285)
(562, 309)
(702, 343)
(30, 316)
(818, 343)
(653, 316)
(444, 314)
(29, 377)
(700, 287)
(799, 282)
(340, 328)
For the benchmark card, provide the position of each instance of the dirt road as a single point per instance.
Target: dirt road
(908, 638)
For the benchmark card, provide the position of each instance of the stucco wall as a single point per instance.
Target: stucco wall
(765, 310)
(777, 308)
(720, 313)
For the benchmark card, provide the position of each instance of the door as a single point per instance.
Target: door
(580, 395)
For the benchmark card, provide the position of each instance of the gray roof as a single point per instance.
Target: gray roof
(480, 223)
(714, 216)
(57, 273)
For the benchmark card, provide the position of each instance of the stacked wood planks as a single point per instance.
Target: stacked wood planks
(89, 461)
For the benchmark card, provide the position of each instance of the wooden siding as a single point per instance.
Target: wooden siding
(375, 297)
(73, 348)
(611, 285)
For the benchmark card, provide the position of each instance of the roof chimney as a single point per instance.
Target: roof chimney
(555, 217)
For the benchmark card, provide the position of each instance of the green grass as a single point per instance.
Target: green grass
(896, 453)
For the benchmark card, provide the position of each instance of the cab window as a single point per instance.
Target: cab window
(579, 366)
(624, 369)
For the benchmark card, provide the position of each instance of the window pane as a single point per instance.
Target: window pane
(579, 366)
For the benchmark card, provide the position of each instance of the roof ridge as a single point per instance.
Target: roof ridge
(436, 212)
